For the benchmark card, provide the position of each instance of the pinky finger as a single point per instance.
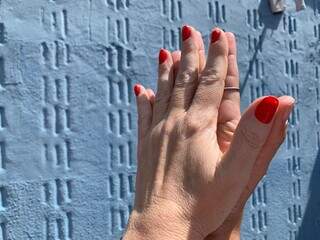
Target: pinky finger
(144, 109)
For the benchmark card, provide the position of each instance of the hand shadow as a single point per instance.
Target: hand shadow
(266, 21)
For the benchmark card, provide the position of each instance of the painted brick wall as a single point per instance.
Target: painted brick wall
(68, 116)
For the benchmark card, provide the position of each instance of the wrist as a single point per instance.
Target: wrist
(162, 226)
(230, 229)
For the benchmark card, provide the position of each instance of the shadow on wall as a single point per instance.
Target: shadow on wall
(269, 21)
(314, 4)
(310, 226)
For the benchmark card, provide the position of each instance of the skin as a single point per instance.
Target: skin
(197, 162)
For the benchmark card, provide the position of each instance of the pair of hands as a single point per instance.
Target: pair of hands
(198, 159)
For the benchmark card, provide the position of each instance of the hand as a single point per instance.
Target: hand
(187, 181)
(229, 116)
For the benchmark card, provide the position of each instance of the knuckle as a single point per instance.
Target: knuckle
(211, 76)
(187, 77)
(167, 127)
(228, 129)
(164, 69)
(161, 98)
(189, 48)
(229, 126)
(251, 138)
(164, 128)
(232, 57)
(192, 124)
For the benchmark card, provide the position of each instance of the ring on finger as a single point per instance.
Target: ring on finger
(231, 89)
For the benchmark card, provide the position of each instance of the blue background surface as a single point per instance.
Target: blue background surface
(68, 115)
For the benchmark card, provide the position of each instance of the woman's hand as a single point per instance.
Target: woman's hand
(229, 116)
(190, 176)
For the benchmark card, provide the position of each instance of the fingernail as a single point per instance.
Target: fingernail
(137, 89)
(162, 56)
(186, 32)
(266, 109)
(215, 35)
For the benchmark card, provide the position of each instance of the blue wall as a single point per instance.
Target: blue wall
(68, 116)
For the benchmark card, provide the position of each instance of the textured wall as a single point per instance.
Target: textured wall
(68, 117)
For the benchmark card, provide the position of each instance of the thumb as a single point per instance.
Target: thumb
(250, 138)
(271, 146)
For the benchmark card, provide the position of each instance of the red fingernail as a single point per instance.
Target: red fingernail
(137, 89)
(266, 109)
(162, 56)
(186, 32)
(215, 35)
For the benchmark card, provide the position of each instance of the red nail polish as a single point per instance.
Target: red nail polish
(162, 56)
(266, 109)
(137, 89)
(186, 32)
(215, 35)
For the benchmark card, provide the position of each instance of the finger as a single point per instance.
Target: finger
(250, 136)
(176, 57)
(151, 96)
(231, 98)
(144, 110)
(202, 54)
(212, 79)
(232, 79)
(229, 110)
(165, 85)
(271, 146)
(187, 78)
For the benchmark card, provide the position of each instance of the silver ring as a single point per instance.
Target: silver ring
(232, 88)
